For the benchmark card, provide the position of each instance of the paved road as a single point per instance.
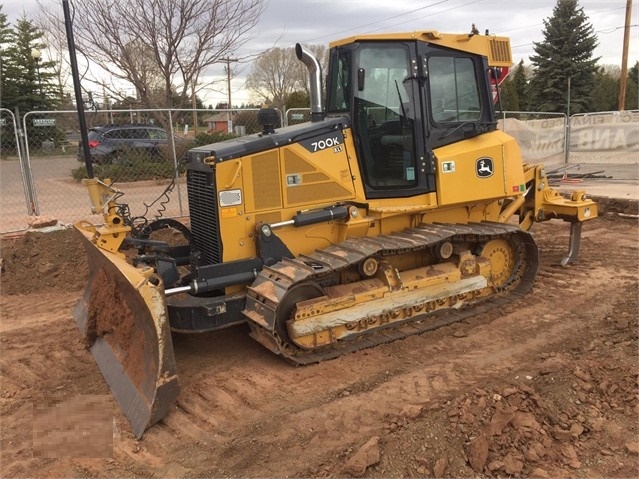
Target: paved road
(612, 181)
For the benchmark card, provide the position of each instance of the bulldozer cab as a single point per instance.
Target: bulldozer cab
(405, 99)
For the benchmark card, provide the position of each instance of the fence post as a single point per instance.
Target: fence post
(567, 144)
(567, 147)
(176, 163)
(25, 168)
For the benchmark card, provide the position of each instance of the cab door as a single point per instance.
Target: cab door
(388, 120)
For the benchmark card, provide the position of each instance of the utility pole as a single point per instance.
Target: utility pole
(228, 86)
(624, 58)
(228, 77)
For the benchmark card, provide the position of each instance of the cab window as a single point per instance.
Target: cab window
(339, 82)
(453, 90)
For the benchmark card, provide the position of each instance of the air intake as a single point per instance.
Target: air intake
(500, 55)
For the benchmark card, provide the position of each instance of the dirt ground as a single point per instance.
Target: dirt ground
(543, 387)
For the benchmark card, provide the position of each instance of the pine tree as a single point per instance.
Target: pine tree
(632, 102)
(5, 28)
(566, 52)
(508, 93)
(633, 73)
(26, 85)
(7, 87)
(521, 86)
(604, 92)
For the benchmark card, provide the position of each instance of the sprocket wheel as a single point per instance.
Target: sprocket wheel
(502, 257)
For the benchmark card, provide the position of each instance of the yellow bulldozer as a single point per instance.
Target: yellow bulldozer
(400, 207)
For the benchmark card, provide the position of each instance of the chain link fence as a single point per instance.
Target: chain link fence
(294, 116)
(17, 192)
(142, 152)
(541, 136)
(602, 143)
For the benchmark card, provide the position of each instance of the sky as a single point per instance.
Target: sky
(286, 22)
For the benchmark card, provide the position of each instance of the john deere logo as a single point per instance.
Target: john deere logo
(484, 167)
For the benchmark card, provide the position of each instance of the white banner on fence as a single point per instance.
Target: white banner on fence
(540, 139)
(609, 137)
(605, 138)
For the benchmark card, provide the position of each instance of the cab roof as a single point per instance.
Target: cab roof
(495, 48)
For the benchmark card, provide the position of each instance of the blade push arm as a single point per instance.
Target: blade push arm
(103, 198)
(543, 203)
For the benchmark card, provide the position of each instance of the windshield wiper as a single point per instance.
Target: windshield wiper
(401, 100)
(458, 127)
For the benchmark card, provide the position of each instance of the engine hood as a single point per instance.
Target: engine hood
(251, 144)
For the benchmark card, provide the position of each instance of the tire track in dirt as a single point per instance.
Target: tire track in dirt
(337, 413)
(13, 316)
(244, 412)
(44, 359)
(33, 344)
(347, 419)
(332, 422)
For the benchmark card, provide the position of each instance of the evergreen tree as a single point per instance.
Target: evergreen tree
(521, 85)
(565, 52)
(298, 99)
(26, 83)
(604, 93)
(632, 100)
(5, 28)
(508, 93)
(633, 73)
(7, 86)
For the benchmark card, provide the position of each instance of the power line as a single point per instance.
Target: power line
(357, 28)
(605, 32)
(360, 28)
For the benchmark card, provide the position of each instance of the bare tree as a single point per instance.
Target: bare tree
(273, 76)
(277, 73)
(161, 47)
(149, 79)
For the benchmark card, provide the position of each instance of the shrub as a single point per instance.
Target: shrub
(182, 148)
(132, 168)
(208, 138)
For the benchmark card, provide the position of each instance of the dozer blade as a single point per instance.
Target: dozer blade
(123, 317)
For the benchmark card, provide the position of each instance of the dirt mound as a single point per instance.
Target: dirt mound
(37, 262)
(51, 261)
(570, 411)
(613, 206)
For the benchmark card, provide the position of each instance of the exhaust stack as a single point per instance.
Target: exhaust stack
(315, 74)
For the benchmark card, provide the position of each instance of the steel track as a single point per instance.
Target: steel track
(261, 308)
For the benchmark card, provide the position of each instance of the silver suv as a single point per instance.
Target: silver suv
(116, 143)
